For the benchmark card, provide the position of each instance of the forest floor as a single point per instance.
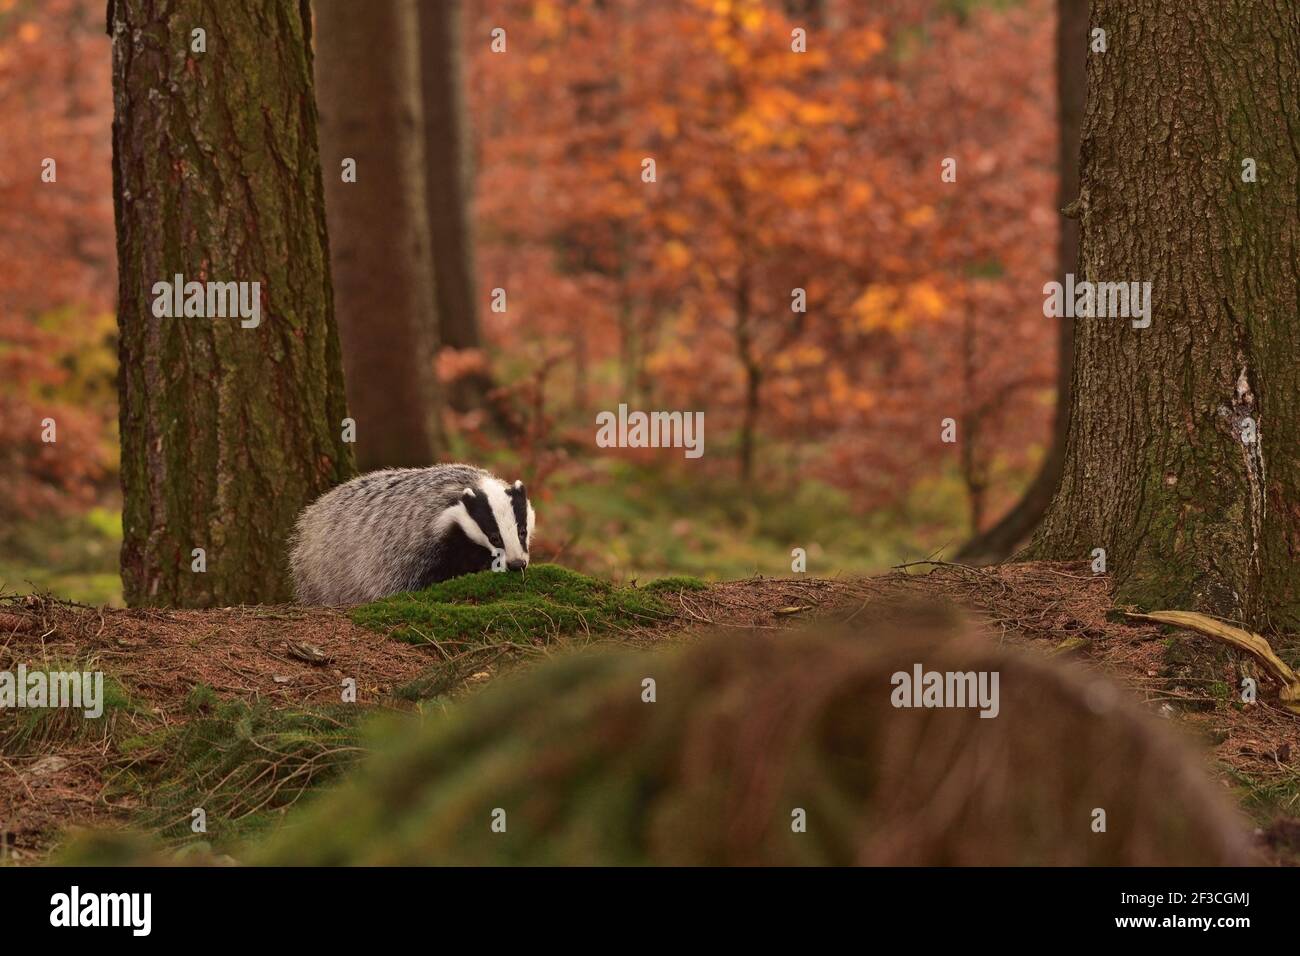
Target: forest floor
(172, 671)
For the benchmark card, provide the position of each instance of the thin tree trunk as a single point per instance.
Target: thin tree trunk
(449, 187)
(806, 12)
(227, 431)
(1016, 525)
(368, 77)
(1183, 459)
(447, 172)
(753, 370)
(628, 344)
(973, 472)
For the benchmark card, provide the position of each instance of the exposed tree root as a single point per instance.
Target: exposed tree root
(1245, 641)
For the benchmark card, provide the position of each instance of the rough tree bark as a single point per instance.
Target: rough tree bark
(999, 541)
(226, 431)
(367, 74)
(1160, 470)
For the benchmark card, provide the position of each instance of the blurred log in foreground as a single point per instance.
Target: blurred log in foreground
(746, 732)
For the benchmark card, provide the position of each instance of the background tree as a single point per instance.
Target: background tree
(997, 542)
(226, 431)
(368, 81)
(807, 13)
(1183, 459)
(449, 185)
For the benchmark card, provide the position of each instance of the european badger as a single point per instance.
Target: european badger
(405, 528)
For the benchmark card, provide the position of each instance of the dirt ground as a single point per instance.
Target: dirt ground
(294, 656)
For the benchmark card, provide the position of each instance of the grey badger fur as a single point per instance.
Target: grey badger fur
(405, 528)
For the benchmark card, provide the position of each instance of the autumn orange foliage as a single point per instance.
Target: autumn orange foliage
(782, 181)
(57, 279)
(778, 171)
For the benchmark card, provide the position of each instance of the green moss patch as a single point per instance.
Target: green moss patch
(542, 603)
(676, 583)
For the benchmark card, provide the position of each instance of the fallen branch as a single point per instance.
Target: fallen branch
(1247, 641)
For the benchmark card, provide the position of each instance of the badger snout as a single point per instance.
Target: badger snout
(516, 564)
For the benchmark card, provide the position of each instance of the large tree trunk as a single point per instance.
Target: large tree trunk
(1015, 526)
(227, 431)
(368, 77)
(1160, 469)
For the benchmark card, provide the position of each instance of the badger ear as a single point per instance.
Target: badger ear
(518, 487)
(468, 493)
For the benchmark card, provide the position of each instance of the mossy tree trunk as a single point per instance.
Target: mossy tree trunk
(226, 431)
(369, 83)
(1183, 458)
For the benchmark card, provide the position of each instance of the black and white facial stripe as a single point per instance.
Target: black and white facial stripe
(498, 517)
(522, 511)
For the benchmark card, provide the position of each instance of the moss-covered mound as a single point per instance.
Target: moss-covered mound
(775, 749)
(543, 602)
(677, 583)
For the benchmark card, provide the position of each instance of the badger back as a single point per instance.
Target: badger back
(394, 530)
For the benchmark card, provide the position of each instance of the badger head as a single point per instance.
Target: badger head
(498, 517)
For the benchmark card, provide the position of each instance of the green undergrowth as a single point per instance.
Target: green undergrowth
(242, 765)
(1268, 795)
(34, 730)
(449, 676)
(74, 557)
(543, 603)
